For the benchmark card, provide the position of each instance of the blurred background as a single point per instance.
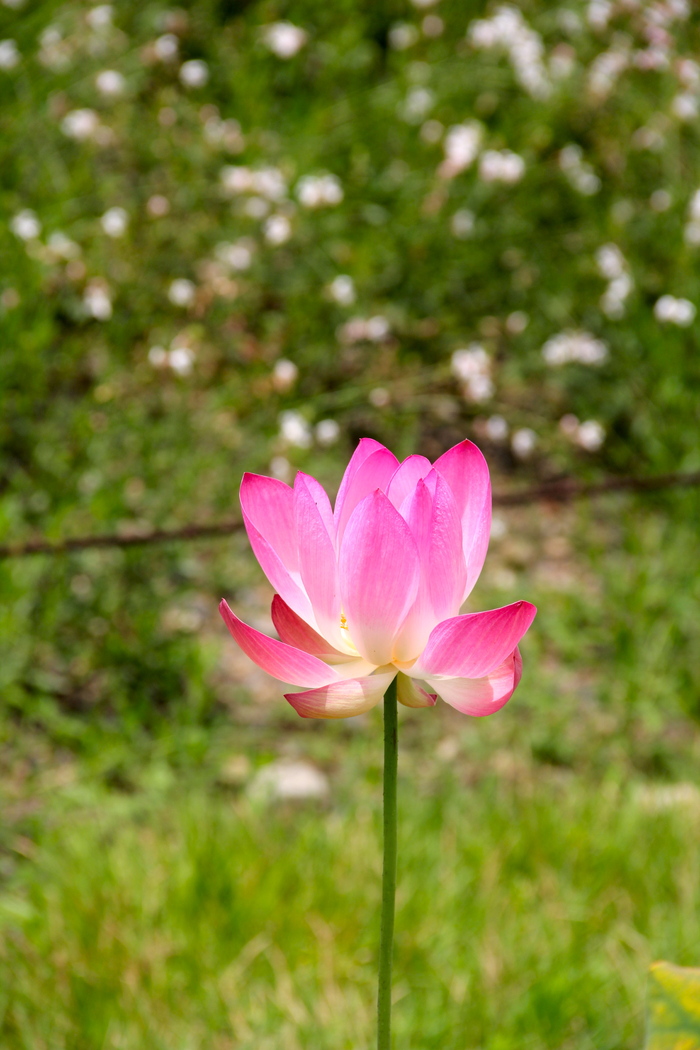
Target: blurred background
(240, 235)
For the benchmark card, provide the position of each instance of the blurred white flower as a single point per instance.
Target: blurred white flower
(25, 225)
(286, 780)
(599, 13)
(523, 442)
(237, 255)
(517, 322)
(181, 360)
(281, 468)
(158, 356)
(284, 375)
(181, 292)
(14, 5)
(97, 301)
(432, 26)
(432, 131)
(613, 266)
(100, 18)
(318, 191)
(377, 328)
(157, 206)
(685, 106)
(278, 229)
(424, 3)
(294, 429)
(605, 70)
(166, 47)
(110, 83)
(660, 200)
(577, 346)
(327, 432)
(579, 173)
(114, 222)
(462, 223)
(417, 104)
(462, 144)
(379, 397)
(225, 133)
(268, 181)
(9, 55)
(590, 435)
(342, 290)
(501, 166)
(568, 424)
(472, 367)
(80, 124)
(508, 29)
(496, 428)
(670, 310)
(402, 35)
(194, 73)
(562, 62)
(284, 39)
(62, 247)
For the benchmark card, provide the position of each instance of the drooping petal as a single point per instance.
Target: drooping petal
(295, 631)
(277, 658)
(341, 699)
(473, 645)
(481, 696)
(318, 564)
(374, 473)
(465, 470)
(410, 693)
(405, 478)
(379, 574)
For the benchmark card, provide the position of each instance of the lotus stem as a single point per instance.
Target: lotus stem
(386, 942)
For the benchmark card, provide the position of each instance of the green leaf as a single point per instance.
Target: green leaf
(674, 1008)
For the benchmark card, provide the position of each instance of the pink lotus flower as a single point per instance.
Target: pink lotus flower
(373, 588)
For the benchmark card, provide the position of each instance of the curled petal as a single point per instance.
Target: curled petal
(374, 473)
(474, 645)
(465, 470)
(277, 658)
(295, 631)
(481, 696)
(406, 477)
(379, 574)
(341, 699)
(410, 693)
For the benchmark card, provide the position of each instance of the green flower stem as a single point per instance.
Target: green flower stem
(386, 942)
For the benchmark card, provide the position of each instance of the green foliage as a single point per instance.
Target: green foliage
(674, 1008)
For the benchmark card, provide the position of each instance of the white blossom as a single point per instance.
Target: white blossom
(181, 292)
(110, 83)
(579, 173)
(166, 47)
(9, 55)
(278, 229)
(100, 18)
(318, 191)
(237, 255)
(284, 375)
(508, 30)
(462, 223)
(472, 367)
(496, 428)
(342, 290)
(285, 780)
(294, 429)
(417, 104)
(25, 225)
(284, 39)
(114, 222)
(670, 310)
(181, 360)
(80, 124)
(461, 144)
(194, 73)
(97, 301)
(501, 166)
(523, 442)
(157, 206)
(590, 435)
(327, 432)
(402, 35)
(577, 346)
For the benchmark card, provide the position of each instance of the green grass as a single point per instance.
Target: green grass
(531, 900)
